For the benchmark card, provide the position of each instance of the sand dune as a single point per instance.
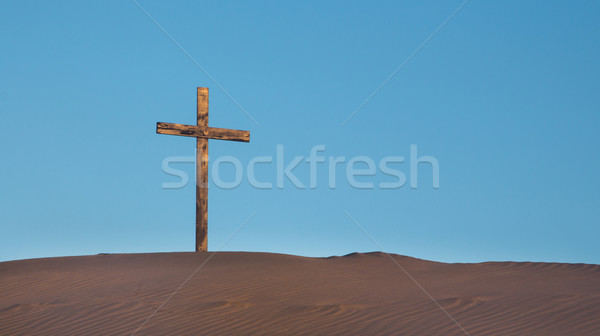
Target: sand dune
(239, 293)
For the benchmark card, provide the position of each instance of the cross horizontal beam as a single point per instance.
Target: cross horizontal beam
(202, 132)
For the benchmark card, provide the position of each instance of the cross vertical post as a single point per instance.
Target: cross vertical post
(202, 173)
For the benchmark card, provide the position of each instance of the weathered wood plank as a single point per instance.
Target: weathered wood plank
(202, 107)
(228, 134)
(179, 129)
(201, 132)
(201, 195)
(202, 172)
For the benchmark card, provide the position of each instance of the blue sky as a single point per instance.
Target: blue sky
(504, 96)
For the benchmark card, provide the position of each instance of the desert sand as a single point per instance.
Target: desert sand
(242, 293)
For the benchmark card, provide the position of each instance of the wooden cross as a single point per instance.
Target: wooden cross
(202, 133)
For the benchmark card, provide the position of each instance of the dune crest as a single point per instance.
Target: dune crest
(242, 293)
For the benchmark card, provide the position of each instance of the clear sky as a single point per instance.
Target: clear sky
(504, 95)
